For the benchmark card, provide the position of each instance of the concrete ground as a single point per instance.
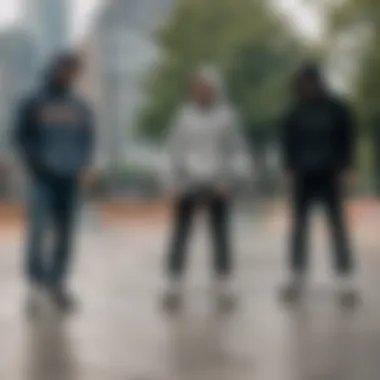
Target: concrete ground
(120, 332)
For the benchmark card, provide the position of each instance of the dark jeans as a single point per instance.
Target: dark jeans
(323, 187)
(218, 211)
(51, 207)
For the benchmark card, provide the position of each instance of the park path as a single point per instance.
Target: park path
(120, 333)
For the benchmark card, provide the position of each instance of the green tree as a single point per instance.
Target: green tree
(360, 20)
(245, 39)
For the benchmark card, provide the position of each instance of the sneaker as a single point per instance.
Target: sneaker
(62, 300)
(292, 291)
(34, 301)
(172, 299)
(227, 302)
(172, 302)
(349, 298)
(348, 294)
(226, 295)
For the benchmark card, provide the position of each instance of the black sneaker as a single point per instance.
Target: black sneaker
(64, 301)
(32, 309)
(291, 293)
(227, 302)
(34, 301)
(349, 299)
(172, 302)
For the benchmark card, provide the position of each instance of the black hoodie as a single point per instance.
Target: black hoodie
(318, 134)
(54, 130)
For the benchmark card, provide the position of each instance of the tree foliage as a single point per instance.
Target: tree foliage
(245, 39)
(349, 18)
(359, 21)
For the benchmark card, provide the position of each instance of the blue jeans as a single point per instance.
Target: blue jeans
(50, 207)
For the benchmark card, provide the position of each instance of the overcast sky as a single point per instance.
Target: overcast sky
(83, 11)
(82, 14)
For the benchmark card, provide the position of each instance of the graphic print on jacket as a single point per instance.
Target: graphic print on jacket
(64, 129)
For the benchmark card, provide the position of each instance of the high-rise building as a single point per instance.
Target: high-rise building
(48, 23)
(124, 35)
(17, 69)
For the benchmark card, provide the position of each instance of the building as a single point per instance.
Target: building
(17, 71)
(47, 21)
(123, 32)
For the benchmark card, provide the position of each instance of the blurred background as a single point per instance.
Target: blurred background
(138, 55)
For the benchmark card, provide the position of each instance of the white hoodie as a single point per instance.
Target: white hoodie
(205, 145)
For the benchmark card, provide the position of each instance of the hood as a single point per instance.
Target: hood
(312, 72)
(49, 81)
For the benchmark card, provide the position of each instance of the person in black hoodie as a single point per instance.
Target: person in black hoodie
(54, 135)
(318, 144)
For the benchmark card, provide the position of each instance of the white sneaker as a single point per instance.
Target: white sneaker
(348, 293)
(226, 293)
(35, 300)
(293, 290)
(172, 298)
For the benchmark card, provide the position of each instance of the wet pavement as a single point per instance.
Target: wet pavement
(121, 333)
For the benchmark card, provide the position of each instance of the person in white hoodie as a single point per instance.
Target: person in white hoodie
(206, 153)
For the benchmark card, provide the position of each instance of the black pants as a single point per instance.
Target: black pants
(323, 187)
(217, 208)
(51, 204)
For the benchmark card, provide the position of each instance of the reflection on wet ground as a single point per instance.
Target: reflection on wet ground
(120, 332)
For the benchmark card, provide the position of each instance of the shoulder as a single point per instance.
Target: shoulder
(30, 100)
(30, 104)
(228, 113)
(340, 104)
(82, 101)
(182, 116)
(184, 111)
(291, 110)
(227, 110)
